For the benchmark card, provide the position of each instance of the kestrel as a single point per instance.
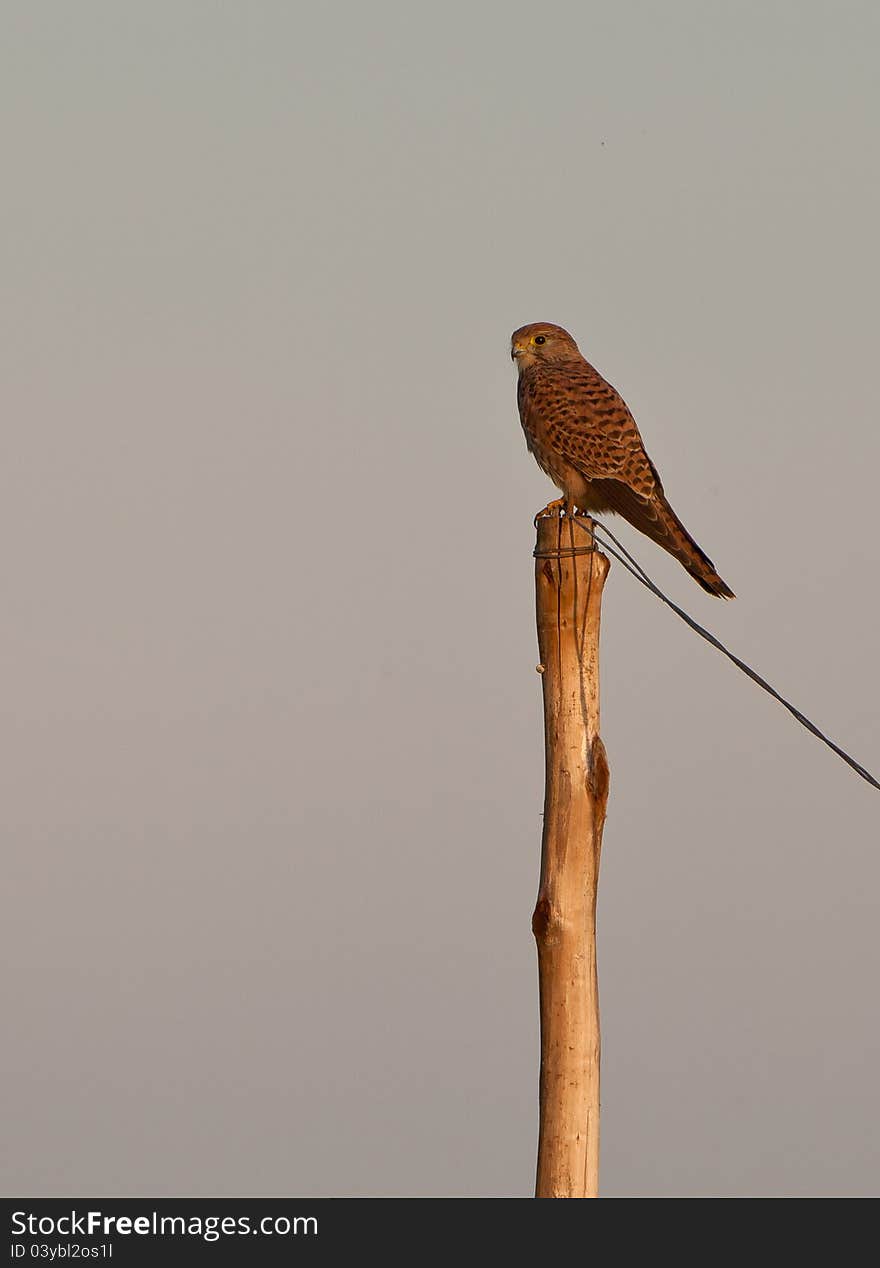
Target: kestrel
(583, 436)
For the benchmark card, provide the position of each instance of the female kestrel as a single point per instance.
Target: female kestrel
(586, 440)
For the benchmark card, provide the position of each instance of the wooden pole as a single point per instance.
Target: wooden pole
(569, 577)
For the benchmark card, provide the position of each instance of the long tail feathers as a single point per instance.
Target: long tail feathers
(656, 519)
(674, 537)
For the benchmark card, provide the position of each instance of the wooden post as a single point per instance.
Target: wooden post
(569, 577)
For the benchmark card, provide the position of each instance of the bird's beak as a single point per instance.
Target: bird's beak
(516, 350)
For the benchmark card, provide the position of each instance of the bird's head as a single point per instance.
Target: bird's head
(541, 342)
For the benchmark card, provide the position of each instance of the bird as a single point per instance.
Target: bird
(583, 436)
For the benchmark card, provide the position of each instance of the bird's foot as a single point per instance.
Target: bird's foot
(557, 507)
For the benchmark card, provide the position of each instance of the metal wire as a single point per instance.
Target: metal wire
(622, 555)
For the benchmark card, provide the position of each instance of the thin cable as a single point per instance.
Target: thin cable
(632, 565)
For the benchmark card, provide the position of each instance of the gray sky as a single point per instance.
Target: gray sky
(272, 770)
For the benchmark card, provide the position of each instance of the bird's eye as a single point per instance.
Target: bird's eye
(540, 338)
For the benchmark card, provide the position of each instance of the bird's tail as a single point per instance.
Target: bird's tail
(656, 519)
(668, 531)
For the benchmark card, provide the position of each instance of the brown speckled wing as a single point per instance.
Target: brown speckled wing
(570, 409)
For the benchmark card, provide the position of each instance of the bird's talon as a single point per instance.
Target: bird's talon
(556, 507)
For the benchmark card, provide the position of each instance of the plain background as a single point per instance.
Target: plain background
(272, 768)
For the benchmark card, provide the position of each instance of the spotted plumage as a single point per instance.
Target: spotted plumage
(583, 436)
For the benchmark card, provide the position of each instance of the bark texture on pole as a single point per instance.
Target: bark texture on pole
(569, 577)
